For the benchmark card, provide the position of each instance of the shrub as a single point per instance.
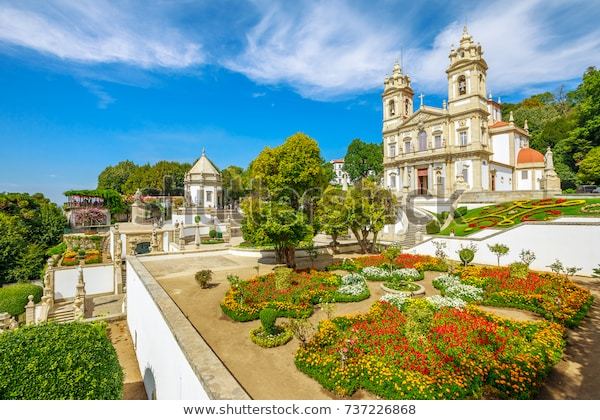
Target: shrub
(219, 235)
(268, 317)
(527, 257)
(467, 254)
(460, 212)
(203, 278)
(283, 277)
(13, 298)
(57, 250)
(212, 233)
(59, 361)
(260, 337)
(302, 329)
(518, 270)
(197, 219)
(392, 252)
(432, 227)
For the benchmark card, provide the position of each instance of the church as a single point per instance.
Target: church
(463, 146)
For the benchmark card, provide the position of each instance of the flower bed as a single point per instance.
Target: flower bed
(244, 301)
(549, 295)
(418, 262)
(262, 338)
(421, 352)
(385, 274)
(514, 212)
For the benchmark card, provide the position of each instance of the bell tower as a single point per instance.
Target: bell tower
(397, 96)
(467, 74)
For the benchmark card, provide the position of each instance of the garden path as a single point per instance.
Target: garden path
(133, 386)
(577, 375)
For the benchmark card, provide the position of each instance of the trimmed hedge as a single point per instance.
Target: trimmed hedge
(262, 338)
(74, 361)
(432, 227)
(13, 298)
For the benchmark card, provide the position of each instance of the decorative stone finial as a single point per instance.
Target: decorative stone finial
(511, 118)
(203, 151)
(526, 126)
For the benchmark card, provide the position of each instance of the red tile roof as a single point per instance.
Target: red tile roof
(528, 155)
(499, 124)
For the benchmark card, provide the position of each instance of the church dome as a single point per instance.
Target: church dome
(528, 155)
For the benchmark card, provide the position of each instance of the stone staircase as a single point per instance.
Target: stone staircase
(62, 313)
(410, 238)
(124, 277)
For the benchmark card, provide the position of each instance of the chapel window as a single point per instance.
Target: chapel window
(407, 146)
(438, 141)
(406, 106)
(392, 108)
(392, 150)
(392, 180)
(463, 138)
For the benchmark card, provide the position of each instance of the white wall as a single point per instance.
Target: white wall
(98, 279)
(485, 175)
(503, 178)
(501, 148)
(574, 245)
(156, 349)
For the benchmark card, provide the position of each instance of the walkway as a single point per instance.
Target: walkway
(577, 376)
(133, 387)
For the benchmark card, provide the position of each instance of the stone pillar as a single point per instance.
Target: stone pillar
(30, 311)
(154, 240)
(181, 236)
(197, 235)
(476, 175)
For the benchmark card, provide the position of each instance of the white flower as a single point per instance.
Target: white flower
(352, 278)
(396, 299)
(446, 301)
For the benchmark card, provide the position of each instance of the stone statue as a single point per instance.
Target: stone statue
(137, 197)
(549, 159)
(154, 240)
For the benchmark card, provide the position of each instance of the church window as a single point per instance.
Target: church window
(422, 140)
(392, 108)
(438, 141)
(465, 174)
(463, 138)
(462, 85)
(406, 146)
(406, 106)
(209, 196)
(524, 175)
(392, 180)
(392, 150)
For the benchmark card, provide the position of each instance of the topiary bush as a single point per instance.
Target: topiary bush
(432, 227)
(74, 361)
(467, 254)
(269, 334)
(13, 298)
(212, 233)
(203, 278)
(268, 317)
(460, 212)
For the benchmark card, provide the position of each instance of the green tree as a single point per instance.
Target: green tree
(275, 223)
(115, 177)
(332, 214)
(499, 250)
(29, 224)
(370, 207)
(363, 159)
(587, 134)
(589, 167)
(234, 181)
(294, 171)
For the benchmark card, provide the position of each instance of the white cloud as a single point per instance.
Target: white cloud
(97, 32)
(324, 50)
(104, 99)
(522, 43)
(329, 50)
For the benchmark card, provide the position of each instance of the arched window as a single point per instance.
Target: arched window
(391, 108)
(422, 140)
(462, 85)
(406, 106)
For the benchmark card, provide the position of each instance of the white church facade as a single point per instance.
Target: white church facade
(462, 146)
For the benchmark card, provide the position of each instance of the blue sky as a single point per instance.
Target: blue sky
(90, 83)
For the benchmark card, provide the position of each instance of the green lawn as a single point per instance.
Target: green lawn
(512, 213)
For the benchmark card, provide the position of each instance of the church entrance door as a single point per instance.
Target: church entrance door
(493, 181)
(422, 181)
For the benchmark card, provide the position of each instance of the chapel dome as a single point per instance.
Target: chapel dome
(528, 155)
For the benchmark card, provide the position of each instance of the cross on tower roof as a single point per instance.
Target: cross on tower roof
(421, 96)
